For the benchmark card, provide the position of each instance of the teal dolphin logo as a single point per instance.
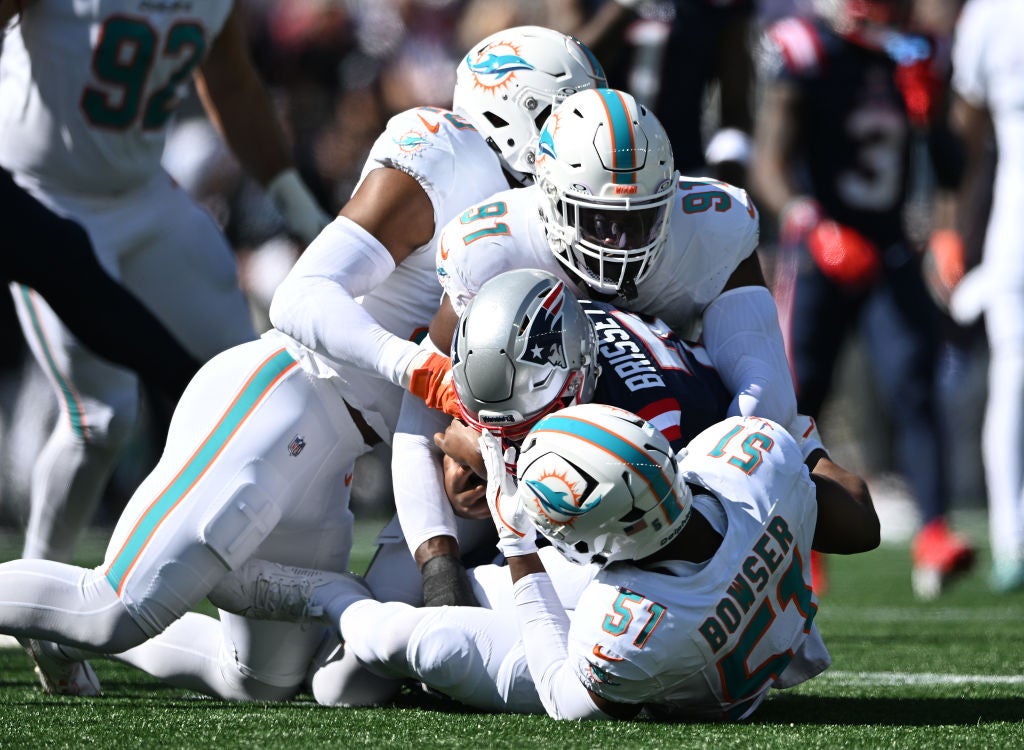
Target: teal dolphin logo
(555, 501)
(546, 144)
(410, 141)
(498, 65)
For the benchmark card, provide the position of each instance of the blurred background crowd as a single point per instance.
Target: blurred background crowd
(338, 69)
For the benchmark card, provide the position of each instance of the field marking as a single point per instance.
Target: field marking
(912, 615)
(896, 679)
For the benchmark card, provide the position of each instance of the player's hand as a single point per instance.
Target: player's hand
(844, 255)
(798, 218)
(467, 492)
(944, 265)
(461, 442)
(516, 533)
(432, 381)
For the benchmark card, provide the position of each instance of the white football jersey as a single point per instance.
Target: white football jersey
(456, 168)
(988, 71)
(88, 89)
(709, 640)
(712, 229)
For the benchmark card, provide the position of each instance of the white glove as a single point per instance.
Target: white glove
(516, 533)
(805, 430)
(297, 205)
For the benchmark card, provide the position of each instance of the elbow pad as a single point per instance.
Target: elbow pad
(743, 339)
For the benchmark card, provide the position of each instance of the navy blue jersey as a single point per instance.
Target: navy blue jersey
(649, 371)
(854, 128)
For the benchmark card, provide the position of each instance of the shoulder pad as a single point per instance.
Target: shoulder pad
(799, 43)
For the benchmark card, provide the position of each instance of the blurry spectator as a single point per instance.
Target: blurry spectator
(843, 93)
(691, 62)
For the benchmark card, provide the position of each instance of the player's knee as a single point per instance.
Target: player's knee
(344, 681)
(444, 657)
(239, 686)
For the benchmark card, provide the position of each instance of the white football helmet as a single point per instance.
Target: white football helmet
(507, 85)
(604, 164)
(523, 347)
(602, 484)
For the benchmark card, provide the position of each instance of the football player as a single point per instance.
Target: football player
(87, 93)
(610, 217)
(692, 581)
(990, 100)
(263, 442)
(845, 92)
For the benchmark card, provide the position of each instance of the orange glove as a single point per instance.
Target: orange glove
(432, 382)
(844, 255)
(944, 264)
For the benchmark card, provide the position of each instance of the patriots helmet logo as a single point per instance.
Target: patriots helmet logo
(544, 342)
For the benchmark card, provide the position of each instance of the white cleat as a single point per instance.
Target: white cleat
(266, 590)
(60, 675)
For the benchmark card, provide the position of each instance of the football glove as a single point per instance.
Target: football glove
(516, 533)
(844, 255)
(944, 265)
(432, 381)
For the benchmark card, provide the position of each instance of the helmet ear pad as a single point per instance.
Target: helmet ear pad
(523, 347)
(602, 484)
(509, 82)
(607, 178)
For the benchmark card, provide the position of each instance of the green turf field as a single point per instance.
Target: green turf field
(946, 674)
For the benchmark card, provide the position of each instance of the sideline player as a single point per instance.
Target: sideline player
(834, 148)
(611, 218)
(266, 435)
(87, 92)
(990, 100)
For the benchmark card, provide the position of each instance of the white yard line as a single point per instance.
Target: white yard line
(884, 679)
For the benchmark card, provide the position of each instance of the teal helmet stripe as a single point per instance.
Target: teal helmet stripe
(621, 450)
(259, 384)
(595, 64)
(622, 137)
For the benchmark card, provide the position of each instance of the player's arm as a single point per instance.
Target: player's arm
(847, 521)
(241, 108)
(743, 338)
(543, 621)
(776, 138)
(388, 217)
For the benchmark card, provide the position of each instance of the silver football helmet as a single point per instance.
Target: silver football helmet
(602, 484)
(604, 164)
(523, 348)
(507, 85)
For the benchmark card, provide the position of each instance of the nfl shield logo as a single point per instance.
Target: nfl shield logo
(296, 445)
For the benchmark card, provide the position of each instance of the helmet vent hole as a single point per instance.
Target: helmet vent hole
(542, 116)
(495, 120)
